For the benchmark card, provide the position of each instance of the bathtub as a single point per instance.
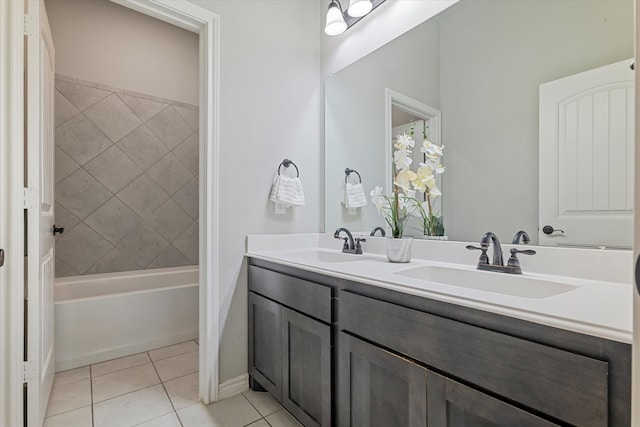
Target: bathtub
(105, 316)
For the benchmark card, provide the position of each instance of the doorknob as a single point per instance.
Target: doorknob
(547, 229)
(57, 230)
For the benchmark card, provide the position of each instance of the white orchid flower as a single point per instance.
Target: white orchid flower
(404, 180)
(419, 186)
(430, 182)
(434, 192)
(404, 141)
(402, 159)
(439, 169)
(378, 199)
(432, 149)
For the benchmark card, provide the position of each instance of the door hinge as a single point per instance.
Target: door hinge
(29, 372)
(30, 198)
(29, 26)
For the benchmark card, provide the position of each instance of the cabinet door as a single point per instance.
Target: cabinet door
(378, 388)
(306, 368)
(453, 404)
(265, 345)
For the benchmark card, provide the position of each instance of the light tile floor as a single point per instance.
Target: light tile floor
(157, 388)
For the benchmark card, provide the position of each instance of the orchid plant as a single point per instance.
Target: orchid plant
(432, 223)
(402, 204)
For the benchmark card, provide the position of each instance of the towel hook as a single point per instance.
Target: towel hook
(286, 163)
(348, 171)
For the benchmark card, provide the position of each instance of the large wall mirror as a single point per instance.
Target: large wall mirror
(481, 64)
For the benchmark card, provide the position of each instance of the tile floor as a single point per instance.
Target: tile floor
(158, 388)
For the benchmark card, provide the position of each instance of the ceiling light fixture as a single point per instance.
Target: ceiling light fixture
(335, 20)
(338, 21)
(358, 8)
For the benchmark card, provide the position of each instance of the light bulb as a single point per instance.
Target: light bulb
(358, 8)
(335, 21)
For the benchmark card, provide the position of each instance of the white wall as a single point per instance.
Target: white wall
(270, 108)
(103, 42)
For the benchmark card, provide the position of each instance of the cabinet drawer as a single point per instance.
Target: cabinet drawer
(312, 299)
(563, 385)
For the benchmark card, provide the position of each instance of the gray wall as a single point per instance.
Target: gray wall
(494, 56)
(101, 41)
(126, 168)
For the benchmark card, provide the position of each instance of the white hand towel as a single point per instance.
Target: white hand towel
(353, 196)
(287, 190)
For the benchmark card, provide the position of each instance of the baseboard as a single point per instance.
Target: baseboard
(233, 386)
(126, 350)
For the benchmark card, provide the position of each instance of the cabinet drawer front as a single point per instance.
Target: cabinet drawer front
(564, 385)
(312, 299)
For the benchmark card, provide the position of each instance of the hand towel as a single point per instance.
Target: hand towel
(353, 195)
(287, 190)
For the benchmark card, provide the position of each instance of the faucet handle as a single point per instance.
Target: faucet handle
(484, 259)
(358, 245)
(513, 259)
(345, 245)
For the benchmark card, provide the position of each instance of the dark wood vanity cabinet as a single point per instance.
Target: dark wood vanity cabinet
(451, 403)
(290, 353)
(379, 388)
(402, 360)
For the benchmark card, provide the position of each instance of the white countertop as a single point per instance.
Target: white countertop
(601, 305)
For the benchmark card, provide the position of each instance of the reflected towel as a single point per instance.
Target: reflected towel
(287, 190)
(353, 195)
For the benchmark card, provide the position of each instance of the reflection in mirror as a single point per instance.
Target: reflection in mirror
(481, 63)
(422, 122)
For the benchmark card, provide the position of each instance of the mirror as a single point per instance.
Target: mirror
(480, 63)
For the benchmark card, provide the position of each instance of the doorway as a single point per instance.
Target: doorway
(190, 17)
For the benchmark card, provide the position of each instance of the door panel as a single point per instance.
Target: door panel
(265, 351)
(306, 368)
(378, 388)
(452, 404)
(40, 241)
(586, 157)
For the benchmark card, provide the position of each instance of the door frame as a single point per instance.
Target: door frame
(11, 212)
(181, 13)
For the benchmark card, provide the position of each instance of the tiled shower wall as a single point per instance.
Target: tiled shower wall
(126, 173)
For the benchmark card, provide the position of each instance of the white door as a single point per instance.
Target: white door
(587, 158)
(40, 364)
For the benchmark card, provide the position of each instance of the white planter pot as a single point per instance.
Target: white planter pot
(399, 250)
(425, 237)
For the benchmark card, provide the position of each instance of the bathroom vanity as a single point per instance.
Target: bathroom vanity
(341, 348)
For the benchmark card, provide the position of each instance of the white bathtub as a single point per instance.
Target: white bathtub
(104, 316)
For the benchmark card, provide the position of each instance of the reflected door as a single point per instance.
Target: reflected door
(587, 158)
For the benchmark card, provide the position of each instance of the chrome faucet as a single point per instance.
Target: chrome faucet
(349, 247)
(488, 238)
(521, 235)
(380, 229)
(513, 264)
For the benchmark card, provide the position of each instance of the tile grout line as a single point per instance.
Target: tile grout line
(93, 418)
(91, 377)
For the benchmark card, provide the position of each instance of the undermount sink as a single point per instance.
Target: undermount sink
(508, 284)
(328, 257)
